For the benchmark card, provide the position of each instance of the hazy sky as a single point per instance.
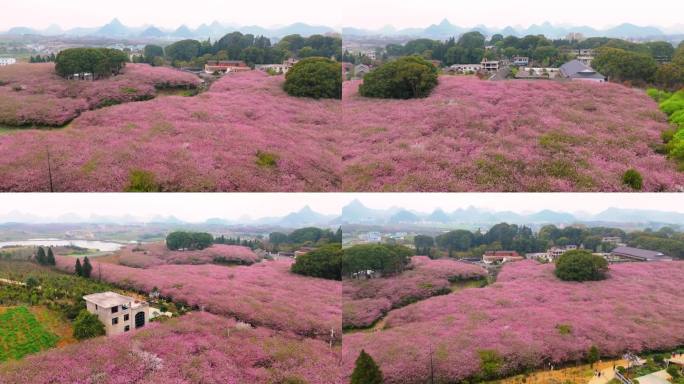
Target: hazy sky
(189, 207)
(199, 207)
(358, 13)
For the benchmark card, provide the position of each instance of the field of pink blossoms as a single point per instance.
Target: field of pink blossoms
(32, 94)
(366, 301)
(149, 255)
(474, 135)
(531, 319)
(196, 348)
(265, 294)
(244, 134)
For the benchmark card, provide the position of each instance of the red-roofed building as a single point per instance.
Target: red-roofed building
(500, 257)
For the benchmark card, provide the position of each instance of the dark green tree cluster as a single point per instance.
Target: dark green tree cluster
(87, 326)
(621, 65)
(253, 244)
(511, 237)
(386, 258)
(315, 77)
(665, 240)
(99, 62)
(324, 262)
(306, 236)
(246, 47)
(404, 78)
(670, 76)
(85, 269)
(43, 58)
(182, 240)
(581, 265)
(45, 258)
(153, 55)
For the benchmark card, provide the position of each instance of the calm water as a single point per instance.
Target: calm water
(103, 246)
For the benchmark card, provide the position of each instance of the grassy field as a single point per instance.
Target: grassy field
(22, 334)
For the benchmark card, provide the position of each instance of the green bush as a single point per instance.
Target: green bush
(673, 104)
(674, 371)
(658, 95)
(366, 371)
(324, 262)
(87, 325)
(633, 179)
(581, 265)
(142, 181)
(315, 77)
(405, 78)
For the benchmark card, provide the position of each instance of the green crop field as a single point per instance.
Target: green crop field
(22, 334)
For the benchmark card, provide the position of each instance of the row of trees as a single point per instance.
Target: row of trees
(252, 244)
(181, 240)
(44, 258)
(306, 236)
(641, 68)
(247, 47)
(388, 259)
(98, 62)
(512, 237)
(43, 58)
(85, 269)
(324, 262)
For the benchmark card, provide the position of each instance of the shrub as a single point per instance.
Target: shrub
(581, 265)
(658, 95)
(366, 371)
(142, 181)
(633, 179)
(324, 262)
(673, 104)
(315, 77)
(405, 78)
(87, 325)
(674, 371)
(593, 355)
(266, 159)
(490, 364)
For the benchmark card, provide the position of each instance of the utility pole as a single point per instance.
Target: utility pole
(47, 149)
(332, 337)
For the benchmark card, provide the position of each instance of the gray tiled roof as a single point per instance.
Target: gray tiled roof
(575, 69)
(639, 253)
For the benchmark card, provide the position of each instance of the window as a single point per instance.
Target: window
(115, 309)
(127, 328)
(126, 317)
(115, 321)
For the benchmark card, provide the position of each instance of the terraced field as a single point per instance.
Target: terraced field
(22, 334)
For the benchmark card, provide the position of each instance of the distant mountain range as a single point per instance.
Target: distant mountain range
(302, 218)
(116, 29)
(446, 29)
(357, 213)
(443, 30)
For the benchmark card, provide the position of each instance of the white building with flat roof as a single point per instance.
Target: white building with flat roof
(5, 61)
(118, 313)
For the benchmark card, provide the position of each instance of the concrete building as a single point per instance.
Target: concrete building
(640, 255)
(501, 257)
(5, 61)
(118, 313)
(521, 61)
(490, 66)
(361, 70)
(465, 68)
(226, 66)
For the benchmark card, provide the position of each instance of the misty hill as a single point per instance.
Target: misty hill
(116, 29)
(357, 213)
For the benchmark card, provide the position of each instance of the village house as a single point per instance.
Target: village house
(555, 252)
(612, 240)
(302, 251)
(118, 313)
(361, 70)
(226, 66)
(464, 68)
(5, 61)
(537, 73)
(521, 61)
(490, 66)
(575, 70)
(501, 257)
(629, 254)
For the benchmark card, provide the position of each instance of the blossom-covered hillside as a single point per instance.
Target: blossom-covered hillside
(528, 318)
(33, 94)
(245, 134)
(148, 255)
(265, 294)
(475, 135)
(196, 348)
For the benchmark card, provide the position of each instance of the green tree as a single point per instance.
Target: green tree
(315, 77)
(385, 258)
(459, 240)
(633, 179)
(593, 355)
(31, 282)
(78, 269)
(621, 65)
(50, 260)
(324, 262)
(404, 78)
(277, 238)
(581, 265)
(40, 256)
(152, 52)
(87, 267)
(183, 50)
(87, 325)
(423, 244)
(366, 371)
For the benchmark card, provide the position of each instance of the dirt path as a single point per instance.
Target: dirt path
(582, 374)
